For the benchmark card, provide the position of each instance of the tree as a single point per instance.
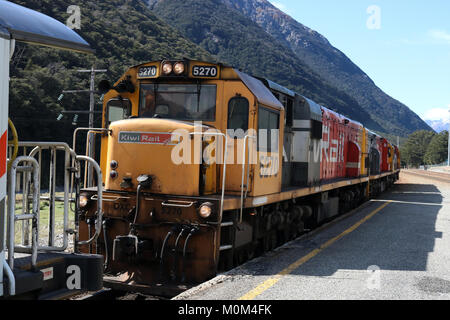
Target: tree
(414, 149)
(437, 150)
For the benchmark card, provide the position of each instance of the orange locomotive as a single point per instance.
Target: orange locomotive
(206, 166)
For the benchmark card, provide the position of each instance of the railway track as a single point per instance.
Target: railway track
(110, 294)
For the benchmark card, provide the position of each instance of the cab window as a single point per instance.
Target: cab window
(178, 101)
(268, 130)
(117, 109)
(238, 114)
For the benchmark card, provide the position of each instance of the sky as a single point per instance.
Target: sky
(402, 45)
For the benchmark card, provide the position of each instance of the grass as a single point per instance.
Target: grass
(44, 217)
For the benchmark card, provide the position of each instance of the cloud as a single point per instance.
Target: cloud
(437, 114)
(431, 37)
(279, 5)
(440, 35)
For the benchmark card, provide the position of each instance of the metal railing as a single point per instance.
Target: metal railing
(30, 167)
(34, 216)
(90, 133)
(98, 222)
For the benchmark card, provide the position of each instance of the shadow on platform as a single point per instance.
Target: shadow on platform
(399, 237)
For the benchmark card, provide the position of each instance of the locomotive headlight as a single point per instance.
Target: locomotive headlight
(83, 201)
(178, 68)
(205, 210)
(166, 68)
(114, 164)
(113, 174)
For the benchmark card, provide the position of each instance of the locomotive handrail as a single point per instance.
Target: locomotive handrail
(225, 155)
(244, 154)
(181, 204)
(87, 174)
(94, 130)
(98, 226)
(110, 199)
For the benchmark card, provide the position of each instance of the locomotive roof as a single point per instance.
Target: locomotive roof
(315, 112)
(354, 121)
(261, 92)
(341, 116)
(26, 25)
(373, 133)
(278, 87)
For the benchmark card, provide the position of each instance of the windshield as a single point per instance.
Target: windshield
(178, 101)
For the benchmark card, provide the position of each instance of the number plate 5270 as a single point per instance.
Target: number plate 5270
(204, 71)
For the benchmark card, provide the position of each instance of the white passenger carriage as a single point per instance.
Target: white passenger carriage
(31, 270)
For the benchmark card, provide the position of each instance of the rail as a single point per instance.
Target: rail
(87, 173)
(12, 217)
(53, 147)
(11, 279)
(31, 164)
(98, 224)
(244, 154)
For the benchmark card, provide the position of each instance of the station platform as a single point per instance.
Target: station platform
(396, 246)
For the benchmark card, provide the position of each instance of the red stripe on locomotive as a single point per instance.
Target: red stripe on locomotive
(3, 146)
(383, 148)
(332, 164)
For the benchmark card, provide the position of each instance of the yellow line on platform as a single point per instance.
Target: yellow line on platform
(273, 280)
(409, 202)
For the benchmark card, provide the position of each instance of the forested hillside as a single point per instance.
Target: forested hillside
(424, 148)
(123, 33)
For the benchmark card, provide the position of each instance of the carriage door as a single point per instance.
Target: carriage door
(238, 116)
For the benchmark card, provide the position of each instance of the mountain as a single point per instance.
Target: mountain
(254, 35)
(236, 40)
(438, 125)
(122, 32)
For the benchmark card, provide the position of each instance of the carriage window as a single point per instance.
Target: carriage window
(238, 114)
(118, 110)
(268, 120)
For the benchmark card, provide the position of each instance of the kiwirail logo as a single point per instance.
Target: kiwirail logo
(208, 146)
